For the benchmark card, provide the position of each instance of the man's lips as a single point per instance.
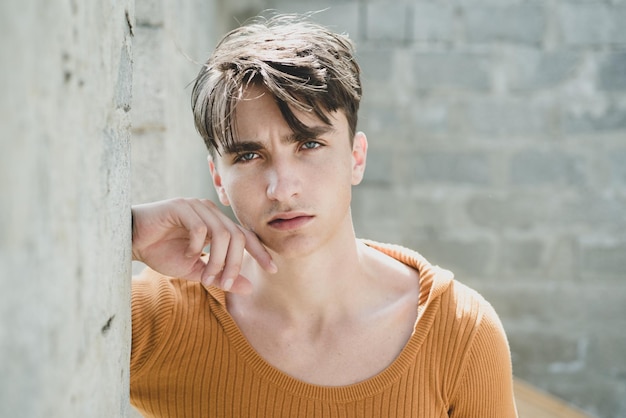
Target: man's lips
(290, 220)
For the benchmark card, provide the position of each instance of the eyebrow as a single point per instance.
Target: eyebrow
(238, 147)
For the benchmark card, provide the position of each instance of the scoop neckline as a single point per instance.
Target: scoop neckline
(428, 274)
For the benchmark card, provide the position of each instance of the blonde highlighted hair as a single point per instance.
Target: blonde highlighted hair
(302, 64)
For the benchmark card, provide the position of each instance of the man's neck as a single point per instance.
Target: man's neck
(316, 286)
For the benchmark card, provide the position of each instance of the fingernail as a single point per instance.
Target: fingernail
(208, 281)
(273, 267)
(228, 283)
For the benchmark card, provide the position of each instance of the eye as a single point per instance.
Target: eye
(245, 157)
(310, 145)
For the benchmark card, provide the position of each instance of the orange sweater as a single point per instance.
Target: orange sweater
(189, 359)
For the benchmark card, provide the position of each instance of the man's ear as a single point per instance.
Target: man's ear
(359, 156)
(217, 182)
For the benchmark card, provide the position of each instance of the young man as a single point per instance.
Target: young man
(290, 315)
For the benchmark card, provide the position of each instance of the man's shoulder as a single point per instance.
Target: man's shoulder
(436, 282)
(467, 298)
(431, 278)
(162, 289)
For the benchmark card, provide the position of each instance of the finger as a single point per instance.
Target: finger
(234, 258)
(220, 239)
(241, 286)
(221, 230)
(258, 251)
(190, 219)
(195, 273)
(228, 242)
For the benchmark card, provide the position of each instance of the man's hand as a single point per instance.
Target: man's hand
(169, 236)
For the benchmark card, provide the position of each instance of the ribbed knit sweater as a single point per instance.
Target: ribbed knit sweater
(190, 359)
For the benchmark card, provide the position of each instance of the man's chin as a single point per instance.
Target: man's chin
(290, 247)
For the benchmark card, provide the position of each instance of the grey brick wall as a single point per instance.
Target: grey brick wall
(497, 133)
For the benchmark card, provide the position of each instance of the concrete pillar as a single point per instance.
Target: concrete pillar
(65, 78)
(172, 39)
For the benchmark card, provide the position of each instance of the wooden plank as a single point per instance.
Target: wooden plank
(535, 403)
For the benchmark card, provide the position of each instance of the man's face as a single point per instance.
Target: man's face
(294, 193)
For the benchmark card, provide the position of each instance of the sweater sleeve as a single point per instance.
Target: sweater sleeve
(485, 388)
(152, 307)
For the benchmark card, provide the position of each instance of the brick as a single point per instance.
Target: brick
(583, 24)
(433, 22)
(375, 63)
(383, 125)
(598, 392)
(611, 118)
(557, 353)
(532, 70)
(537, 210)
(450, 167)
(375, 204)
(522, 256)
(603, 258)
(515, 211)
(379, 168)
(603, 351)
(590, 24)
(433, 71)
(604, 211)
(464, 257)
(435, 116)
(339, 16)
(505, 117)
(538, 168)
(521, 23)
(603, 301)
(559, 258)
(617, 35)
(617, 167)
(612, 72)
(530, 306)
(374, 211)
(387, 22)
(427, 212)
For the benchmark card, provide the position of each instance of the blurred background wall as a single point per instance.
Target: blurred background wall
(497, 135)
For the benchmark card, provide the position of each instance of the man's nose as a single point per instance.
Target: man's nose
(283, 180)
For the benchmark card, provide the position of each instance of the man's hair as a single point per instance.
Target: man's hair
(302, 64)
